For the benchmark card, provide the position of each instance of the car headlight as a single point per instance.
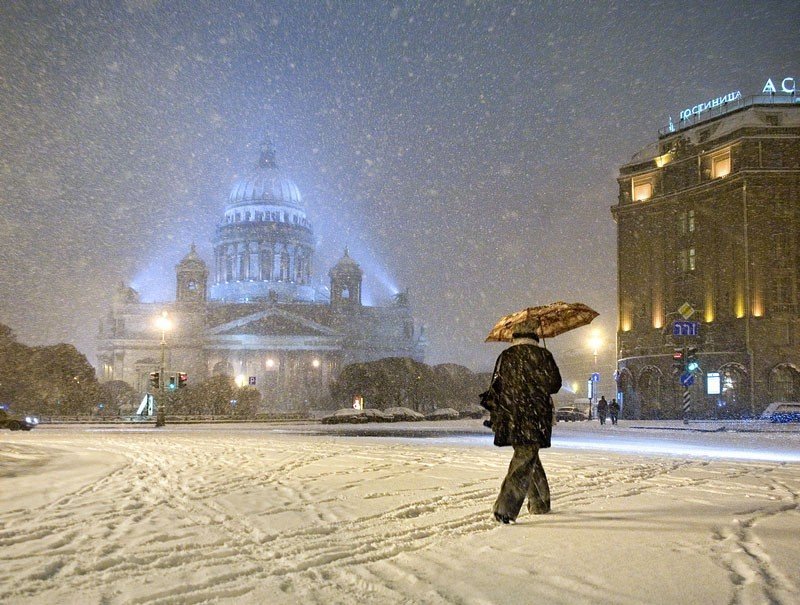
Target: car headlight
(35, 420)
(28, 420)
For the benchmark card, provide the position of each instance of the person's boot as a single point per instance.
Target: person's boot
(538, 508)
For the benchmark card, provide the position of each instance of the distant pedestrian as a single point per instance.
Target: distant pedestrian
(613, 411)
(521, 408)
(602, 409)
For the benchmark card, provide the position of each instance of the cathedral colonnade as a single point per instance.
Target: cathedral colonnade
(262, 261)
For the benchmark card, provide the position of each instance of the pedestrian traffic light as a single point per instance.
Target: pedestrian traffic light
(173, 382)
(183, 378)
(677, 362)
(155, 381)
(692, 364)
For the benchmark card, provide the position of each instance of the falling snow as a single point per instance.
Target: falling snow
(466, 150)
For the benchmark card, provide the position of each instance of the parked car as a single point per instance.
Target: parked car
(15, 422)
(782, 411)
(570, 413)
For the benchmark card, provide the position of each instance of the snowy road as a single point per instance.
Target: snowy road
(254, 515)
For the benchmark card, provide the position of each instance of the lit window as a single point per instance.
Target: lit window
(642, 189)
(721, 165)
(687, 260)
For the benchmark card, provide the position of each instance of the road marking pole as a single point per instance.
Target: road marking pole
(687, 404)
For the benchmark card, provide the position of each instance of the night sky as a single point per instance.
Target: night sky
(464, 150)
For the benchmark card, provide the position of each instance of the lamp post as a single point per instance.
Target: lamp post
(595, 342)
(164, 324)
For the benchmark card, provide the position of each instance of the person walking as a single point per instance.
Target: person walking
(602, 409)
(613, 411)
(521, 416)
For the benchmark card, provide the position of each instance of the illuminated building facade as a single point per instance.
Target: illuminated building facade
(256, 316)
(709, 215)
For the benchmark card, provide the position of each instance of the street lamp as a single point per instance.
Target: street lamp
(164, 324)
(595, 342)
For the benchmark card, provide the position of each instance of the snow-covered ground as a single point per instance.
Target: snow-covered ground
(310, 514)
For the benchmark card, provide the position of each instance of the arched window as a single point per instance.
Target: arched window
(784, 383)
(734, 400)
(626, 394)
(266, 263)
(653, 402)
(284, 266)
(253, 261)
(230, 259)
(241, 264)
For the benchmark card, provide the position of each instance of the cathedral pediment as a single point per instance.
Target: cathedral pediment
(272, 322)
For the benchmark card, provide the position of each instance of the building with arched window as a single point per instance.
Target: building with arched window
(708, 231)
(256, 315)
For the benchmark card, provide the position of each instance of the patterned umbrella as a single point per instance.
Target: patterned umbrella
(545, 321)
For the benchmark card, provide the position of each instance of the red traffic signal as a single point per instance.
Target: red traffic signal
(155, 380)
(677, 361)
(183, 378)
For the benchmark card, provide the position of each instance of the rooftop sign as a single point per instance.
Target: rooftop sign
(788, 86)
(710, 104)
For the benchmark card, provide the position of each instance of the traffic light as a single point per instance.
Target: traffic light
(183, 378)
(692, 363)
(677, 362)
(173, 382)
(155, 381)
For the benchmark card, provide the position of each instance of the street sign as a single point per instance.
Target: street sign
(596, 377)
(685, 328)
(251, 380)
(686, 310)
(687, 379)
(713, 383)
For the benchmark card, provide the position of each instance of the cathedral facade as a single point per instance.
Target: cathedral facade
(256, 315)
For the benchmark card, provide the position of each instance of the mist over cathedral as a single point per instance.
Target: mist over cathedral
(253, 313)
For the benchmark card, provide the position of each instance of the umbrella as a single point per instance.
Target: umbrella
(545, 321)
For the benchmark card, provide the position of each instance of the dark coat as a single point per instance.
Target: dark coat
(521, 410)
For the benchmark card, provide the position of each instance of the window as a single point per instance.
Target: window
(781, 242)
(687, 260)
(783, 291)
(721, 165)
(686, 222)
(642, 189)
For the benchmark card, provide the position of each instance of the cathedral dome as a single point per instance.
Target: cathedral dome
(264, 244)
(266, 185)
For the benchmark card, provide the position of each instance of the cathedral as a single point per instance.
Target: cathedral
(256, 316)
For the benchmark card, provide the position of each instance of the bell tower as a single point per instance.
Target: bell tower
(192, 278)
(346, 278)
